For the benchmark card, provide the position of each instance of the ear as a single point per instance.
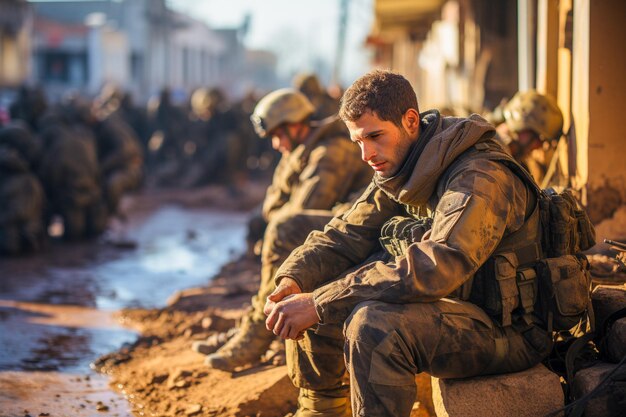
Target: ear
(411, 121)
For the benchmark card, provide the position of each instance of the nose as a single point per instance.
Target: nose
(367, 152)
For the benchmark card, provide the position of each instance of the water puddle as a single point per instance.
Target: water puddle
(56, 308)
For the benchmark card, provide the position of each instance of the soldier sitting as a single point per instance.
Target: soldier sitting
(419, 307)
(120, 157)
(21, 194)
(319, 168)
(70, 175)
(528, 126)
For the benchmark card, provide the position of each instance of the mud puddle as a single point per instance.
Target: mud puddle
(56, 308)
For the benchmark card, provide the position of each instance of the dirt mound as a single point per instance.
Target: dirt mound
(161, 376)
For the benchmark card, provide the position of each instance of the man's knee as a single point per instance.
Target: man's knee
(376, 350)
(374, 319)
(360, 322)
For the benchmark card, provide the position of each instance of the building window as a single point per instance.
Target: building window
(56, 67)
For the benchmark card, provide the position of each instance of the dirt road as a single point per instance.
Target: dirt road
(56, 308)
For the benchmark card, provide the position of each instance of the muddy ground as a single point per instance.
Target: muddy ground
(161, 376)
(52, 328)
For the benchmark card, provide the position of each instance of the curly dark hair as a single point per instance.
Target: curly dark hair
(388, 94)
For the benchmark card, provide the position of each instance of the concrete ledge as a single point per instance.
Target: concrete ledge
(531, 393)
(606, 300)
(616, 341)
(609, 402)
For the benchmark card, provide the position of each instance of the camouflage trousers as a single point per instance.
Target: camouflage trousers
(22, 237)
(284, 233)
(81, 222)
(119, 182)
(383, 346)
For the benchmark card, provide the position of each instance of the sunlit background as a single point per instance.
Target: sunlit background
(462, 56)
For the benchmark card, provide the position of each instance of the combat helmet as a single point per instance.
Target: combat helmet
(536, 112)
(206, 100)
(279, 107)
(308, 84)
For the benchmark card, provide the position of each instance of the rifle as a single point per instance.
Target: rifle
(621, 247)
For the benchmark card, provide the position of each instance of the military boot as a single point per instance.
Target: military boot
(329, 403)
(213, 342)
(246, 347)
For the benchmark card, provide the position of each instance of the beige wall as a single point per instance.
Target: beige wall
(15, 56)
(607, 100)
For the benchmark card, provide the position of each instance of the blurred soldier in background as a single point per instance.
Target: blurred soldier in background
(114, 100)
(167, 128)
(18, 136)
(217, 146)
(319, 168)
(70, 175)
(120, 158)
(29, 106)
(310, 86)
(529, 125)
(21, 194)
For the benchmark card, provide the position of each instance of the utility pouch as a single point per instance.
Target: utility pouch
(397, 234)
(505, 268)
(495, 289)
(565, 290)
(586, 230)
(562, 226)
(570, 230)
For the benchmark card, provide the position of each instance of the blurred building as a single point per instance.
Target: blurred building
(261, 70)
(15, 24)
(458, 54)
(141, 45)
(470, 54)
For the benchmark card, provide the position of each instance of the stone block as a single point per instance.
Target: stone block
(616, 341)
(606, 300)
(530, 393)
(611, 399)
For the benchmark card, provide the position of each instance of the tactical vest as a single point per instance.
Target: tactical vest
(537, 274)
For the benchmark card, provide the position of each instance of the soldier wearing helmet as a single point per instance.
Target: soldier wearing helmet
(320, 169)
(530, 121)
(309, 85)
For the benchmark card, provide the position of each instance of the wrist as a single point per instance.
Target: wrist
(289, 282)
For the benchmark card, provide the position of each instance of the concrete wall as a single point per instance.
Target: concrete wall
(606, 174)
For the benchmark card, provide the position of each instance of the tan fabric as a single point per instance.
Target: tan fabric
(317, 174)
(473, 201)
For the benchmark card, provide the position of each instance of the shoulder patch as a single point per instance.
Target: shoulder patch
(447, 214)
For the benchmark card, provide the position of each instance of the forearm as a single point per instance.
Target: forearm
(346, 241)
(441, 271)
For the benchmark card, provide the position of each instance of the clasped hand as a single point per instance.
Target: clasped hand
(289, 311)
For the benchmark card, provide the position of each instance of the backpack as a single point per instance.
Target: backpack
(539, 273)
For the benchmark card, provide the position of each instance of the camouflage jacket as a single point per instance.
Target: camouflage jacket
(20, 191)
(118, 145)
(474, 202)
(323, 171)
(69, 167)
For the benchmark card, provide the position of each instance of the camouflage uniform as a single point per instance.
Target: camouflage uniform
(410, 313)
(120, 157)
(308, 182)
(530, 110)
(21, 212)
(71, 178)
(310, 86)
